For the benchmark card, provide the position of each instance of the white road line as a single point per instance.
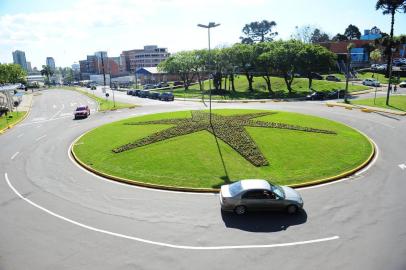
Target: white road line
(54, 106)
(19, 136)
(39, 126)
(14, 156)
(402, 166)
(65, 114)
(37, 119)
(53, 116)
(163, 244)
(40, 138)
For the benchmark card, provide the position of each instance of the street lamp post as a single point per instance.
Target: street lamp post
(210, 25)
(392, 50)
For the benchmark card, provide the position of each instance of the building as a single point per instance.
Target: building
(50, 62)
(29, 69)
(97, 63)
(150, 56)
(374, 33)
(153, 75)
(19, 58)
(99, 79)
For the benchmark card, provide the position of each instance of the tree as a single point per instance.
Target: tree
(390, 7)
(339, 37)
(258, 32)
(352, 32)
(12, 73)
(319, 36)
(47, 72)
(182, 64)
(314, 58)
(245, 59)
(266, 62)
(286, 60)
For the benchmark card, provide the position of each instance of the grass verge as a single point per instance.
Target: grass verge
(395, 103)
(299, 86)
(10, 119)
(196, 161)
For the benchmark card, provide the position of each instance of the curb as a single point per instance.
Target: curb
(365, 109)
(216, 190)
(10, 126)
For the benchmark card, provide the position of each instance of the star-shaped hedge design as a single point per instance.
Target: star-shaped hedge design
(230, 129)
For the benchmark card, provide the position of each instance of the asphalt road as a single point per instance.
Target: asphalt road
(55, 215)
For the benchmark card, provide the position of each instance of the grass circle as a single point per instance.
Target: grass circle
(196, 160)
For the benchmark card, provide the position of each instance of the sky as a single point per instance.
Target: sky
(70, 30)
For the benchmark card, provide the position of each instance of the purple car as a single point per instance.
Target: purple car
(82, 112)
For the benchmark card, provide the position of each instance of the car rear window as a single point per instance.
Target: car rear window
(81, 108)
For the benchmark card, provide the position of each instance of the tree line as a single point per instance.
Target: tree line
(265, 59)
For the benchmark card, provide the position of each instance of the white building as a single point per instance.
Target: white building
(98, 78)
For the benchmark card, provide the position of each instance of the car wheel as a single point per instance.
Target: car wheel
(240, 210)
(291, 209)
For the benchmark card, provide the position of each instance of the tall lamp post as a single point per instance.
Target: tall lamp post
(392, 50)
(210, 25)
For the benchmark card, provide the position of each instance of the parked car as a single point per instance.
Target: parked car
(136, 93)
(402, 84)
(371, 82)
(144, 94)
(333, 78)
(403, 67)
(164, 84)
(177, 83)
(316, 96)
(153, 95)
(82, 112)
(336, 94)
(167, 96)
(258, 194)
(382, 67)
(148, 86)
(130, 92)
(374, 66)
(316, 76)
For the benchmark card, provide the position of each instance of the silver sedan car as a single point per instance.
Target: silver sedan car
(256, 194)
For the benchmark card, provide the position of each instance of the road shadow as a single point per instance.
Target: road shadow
(263, 221)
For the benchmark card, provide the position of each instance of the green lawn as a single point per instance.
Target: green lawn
(395, 102)
(10, 119)
(193, 160)
(104, 105)
(299, 86)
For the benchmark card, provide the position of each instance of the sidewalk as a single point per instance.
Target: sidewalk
(365, 108)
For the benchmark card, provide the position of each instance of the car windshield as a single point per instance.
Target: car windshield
(278, 191)
(81, 108)
(235, 188)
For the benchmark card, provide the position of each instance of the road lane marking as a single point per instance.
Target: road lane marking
(162, 244)
(39, 126)
(402, 166)
(72, 104)
(58, 112)
(54, 106)
(36, 119)
(65, 114)
(40, 138)
(19, 136)
(14, 156)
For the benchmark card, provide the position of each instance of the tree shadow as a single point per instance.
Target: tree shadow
(263, 221)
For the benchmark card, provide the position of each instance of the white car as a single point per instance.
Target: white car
(402, 84)
(371, 82)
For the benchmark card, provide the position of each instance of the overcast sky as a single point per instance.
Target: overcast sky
(69, 30)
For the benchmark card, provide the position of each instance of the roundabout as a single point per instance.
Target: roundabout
(183, 151)
(56, 214)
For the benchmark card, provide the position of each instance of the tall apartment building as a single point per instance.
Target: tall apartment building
(150, 56)
(19, 58)
(29, 69)
(50, 62)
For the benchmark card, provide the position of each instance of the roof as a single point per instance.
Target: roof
(149, 70)
(255, 184)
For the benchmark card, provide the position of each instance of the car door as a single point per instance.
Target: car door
(256, 199)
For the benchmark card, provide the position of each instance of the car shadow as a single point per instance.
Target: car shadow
(263, 221)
